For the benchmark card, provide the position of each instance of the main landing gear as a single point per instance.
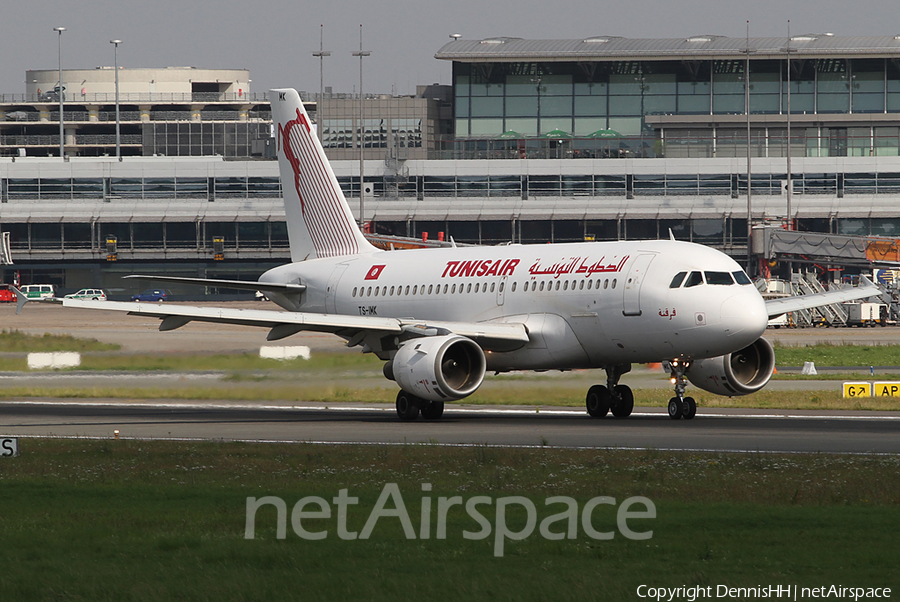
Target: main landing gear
(409, 406)
(601, 399)
(681, 406)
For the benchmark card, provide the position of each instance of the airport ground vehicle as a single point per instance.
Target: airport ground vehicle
(6, 294)
(151, 294)
(94, 294)
(39, 291)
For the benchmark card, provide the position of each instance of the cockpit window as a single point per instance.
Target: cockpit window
(694, 279)
(723, 278)
(677, 280)
(741, 278)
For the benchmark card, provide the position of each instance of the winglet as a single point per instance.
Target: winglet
(671, 235)
(21, 299)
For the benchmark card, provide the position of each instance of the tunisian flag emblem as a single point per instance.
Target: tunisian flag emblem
(374, 272)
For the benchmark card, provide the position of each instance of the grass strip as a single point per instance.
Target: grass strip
(14, 341)
(111, 520)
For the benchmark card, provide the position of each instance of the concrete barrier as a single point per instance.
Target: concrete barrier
(284, 353)
(55, 360)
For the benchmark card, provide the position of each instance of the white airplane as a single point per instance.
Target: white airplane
(442, 318)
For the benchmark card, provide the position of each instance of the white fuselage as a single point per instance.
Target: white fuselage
(585, 305)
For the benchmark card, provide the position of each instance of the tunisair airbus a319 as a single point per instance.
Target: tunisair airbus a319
(441, 318)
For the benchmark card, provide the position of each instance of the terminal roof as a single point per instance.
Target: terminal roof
(609, 48)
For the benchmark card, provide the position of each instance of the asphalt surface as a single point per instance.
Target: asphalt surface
(712, 429)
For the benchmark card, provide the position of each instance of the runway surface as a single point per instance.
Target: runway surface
(712, 429)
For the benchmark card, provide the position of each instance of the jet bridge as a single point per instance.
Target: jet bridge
(774, 243)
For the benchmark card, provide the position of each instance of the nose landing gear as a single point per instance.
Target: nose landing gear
(681, 406)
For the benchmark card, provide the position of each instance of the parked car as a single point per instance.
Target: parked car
(151, 294)
(39, 291)
(6, 294)
(94, 294)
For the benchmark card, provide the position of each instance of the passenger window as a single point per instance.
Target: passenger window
(492, 286)
(694, 279)
(445, 289)
(677, 280)
(741, 278)
(606, 284)
(557, 285)
(453, 289)
(566, 285)
(614, 282)
(353, 294)
(430, 287)
(406, 292)
(581, 286)
(369, 292)
(720, 278)
(542, 285)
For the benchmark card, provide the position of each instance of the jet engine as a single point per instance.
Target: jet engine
(739, 373)
(438, 368)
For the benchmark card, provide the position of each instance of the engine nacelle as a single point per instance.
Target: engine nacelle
(438, 368)
(739, 373)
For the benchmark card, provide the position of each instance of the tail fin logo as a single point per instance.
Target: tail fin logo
(322, 203)
(293, 159)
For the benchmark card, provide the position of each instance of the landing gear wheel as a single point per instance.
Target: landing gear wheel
(676, 408)
(598, 401)
(624, 402)
(433, 410)
(689, 408)
(407, 408)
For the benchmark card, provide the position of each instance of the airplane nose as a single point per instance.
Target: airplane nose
(744, 315)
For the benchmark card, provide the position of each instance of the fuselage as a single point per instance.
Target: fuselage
(585, 305)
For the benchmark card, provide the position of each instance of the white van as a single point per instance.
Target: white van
(39, 291)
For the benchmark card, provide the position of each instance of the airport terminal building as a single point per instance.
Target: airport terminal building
(534, 141)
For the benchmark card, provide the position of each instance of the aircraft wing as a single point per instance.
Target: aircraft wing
(777, 307)
(249, 285)
(490, 335)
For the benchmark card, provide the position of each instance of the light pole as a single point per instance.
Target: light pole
(749, 170)
(116, 43)
(321, 54)
(59, 91)
(362, 204)
(790, 185)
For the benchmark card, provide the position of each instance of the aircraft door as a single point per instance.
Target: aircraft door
(632, 291)
(331, 288)
(501, 290)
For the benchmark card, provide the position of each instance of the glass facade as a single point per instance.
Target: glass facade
(614, 99)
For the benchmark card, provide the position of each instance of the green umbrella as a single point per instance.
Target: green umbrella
(556, 134)
(511, 135)
(605, 134)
